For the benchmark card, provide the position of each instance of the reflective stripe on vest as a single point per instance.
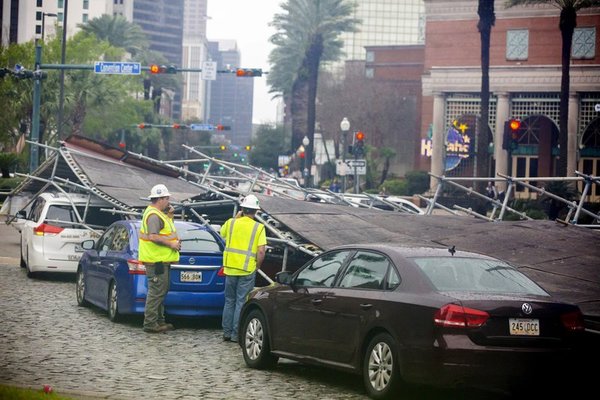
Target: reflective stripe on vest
(249, 254)
(150, 252)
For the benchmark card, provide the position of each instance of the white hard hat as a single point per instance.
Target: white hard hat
(159, 191)
(250, 202)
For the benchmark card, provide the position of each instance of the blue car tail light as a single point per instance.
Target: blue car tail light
(136, 267)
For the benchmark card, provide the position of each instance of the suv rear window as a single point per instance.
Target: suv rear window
(94, 217)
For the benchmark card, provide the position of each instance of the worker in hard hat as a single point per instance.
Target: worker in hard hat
(158, 247)
(245, 243)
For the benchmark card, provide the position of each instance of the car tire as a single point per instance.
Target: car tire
(255, 342)
(23, 264)
(113, 309)
(30, 273)
(80, 289)
(380, 370)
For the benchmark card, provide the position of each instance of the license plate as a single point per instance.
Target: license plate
(190, 276)
(524, 327)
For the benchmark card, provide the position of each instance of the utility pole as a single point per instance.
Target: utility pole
(35, 117)
(63, 56)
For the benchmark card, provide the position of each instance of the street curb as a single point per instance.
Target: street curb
(9, 261)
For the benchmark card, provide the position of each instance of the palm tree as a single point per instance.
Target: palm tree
(487, 18)
(567, 24)
(119, 32)
(307, 34)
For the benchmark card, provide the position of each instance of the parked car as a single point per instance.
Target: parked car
(420, 315)
(110, 276)
(405, 205)
(51, 233)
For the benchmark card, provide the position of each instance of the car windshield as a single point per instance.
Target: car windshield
(476, 274)
(194, 240)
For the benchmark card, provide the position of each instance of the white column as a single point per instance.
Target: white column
(438, 140)
(572, 134)
(502, 114)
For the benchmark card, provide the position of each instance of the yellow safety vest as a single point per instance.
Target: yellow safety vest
(150, 252)
(241, 245)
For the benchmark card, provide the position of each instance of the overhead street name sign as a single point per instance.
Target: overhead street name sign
(202, 127)
(117, 68)
(347, 167)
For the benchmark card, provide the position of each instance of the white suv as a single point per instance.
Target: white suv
(50, 232)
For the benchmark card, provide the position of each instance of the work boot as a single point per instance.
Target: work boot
(169, 327)
(156, 329)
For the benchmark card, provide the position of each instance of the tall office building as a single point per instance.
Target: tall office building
(22, 20)
(195, 52)
(162, 20)
(385, 22)
(231, 98)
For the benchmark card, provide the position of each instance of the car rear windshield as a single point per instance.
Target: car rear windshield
(475, 274)
(197, 241)
(94, 217)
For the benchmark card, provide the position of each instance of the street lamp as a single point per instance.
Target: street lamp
(345, 127)
(305, 169)
(44, 15)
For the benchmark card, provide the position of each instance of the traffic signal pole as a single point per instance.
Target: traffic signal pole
(37, 93)
(35, 117)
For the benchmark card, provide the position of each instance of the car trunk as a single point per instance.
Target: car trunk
(194, 273)
(519, 321)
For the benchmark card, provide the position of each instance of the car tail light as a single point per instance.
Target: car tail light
(573, 321)
(455, 316)
(221, 271)
(136, 267)
(45, 229)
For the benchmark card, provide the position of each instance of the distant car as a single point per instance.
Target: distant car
(406, 205)
(401, 204)
(420, 315)
(51, 234)
(110, 276)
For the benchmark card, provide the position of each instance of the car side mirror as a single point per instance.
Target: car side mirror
(284, 278)
(88, 244)
(21, 214)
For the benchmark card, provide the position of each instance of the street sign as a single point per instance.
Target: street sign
(117, 68)
(347, 167)
(202, 127)
(209, 71)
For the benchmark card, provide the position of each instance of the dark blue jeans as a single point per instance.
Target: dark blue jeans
(236, 291)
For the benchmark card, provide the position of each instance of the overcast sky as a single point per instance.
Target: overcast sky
(247, 22)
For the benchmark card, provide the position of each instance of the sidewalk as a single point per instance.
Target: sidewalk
(10, 243)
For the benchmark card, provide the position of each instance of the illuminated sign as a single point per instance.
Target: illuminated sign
(458, 145)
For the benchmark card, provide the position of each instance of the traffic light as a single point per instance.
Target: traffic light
(248, 147)
(359, 144)
(222, 127)
(163, 69)
(248, 72)
(512, 134)
(144, 125)
(222, 147)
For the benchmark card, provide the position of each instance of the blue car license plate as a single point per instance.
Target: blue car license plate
(190, 276)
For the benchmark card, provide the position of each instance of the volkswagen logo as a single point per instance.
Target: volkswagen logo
(193, 261)
(526, 308)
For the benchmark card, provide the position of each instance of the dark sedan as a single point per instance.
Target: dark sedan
(110, 276)
(419, 315)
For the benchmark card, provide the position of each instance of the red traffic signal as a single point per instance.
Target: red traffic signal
(248, 72)
(360, 136)
(514, 124)
(176, 126)
(162, 69)
(222, 127)
(359, 144)
(144, 125)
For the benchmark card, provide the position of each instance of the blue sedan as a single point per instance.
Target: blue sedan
(110, 276)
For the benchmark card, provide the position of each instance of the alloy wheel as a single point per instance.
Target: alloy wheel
(381, 366)
(254, 339)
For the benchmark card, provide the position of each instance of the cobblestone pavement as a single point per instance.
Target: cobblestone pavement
(47, 339)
